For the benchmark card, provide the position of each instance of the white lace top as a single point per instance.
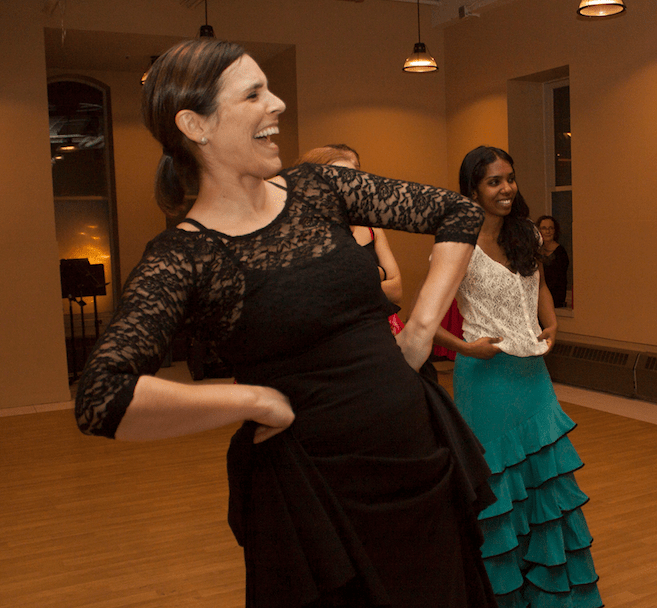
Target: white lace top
(496, 302)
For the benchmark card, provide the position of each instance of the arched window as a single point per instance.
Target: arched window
(85, 207)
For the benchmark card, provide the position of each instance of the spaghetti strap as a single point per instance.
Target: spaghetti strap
(189, 220)
(277, 185)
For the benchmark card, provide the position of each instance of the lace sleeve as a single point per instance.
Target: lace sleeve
(150, 312)
(371, 200)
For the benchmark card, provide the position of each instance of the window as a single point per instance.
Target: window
(540, 144)
(85, 208)
(559, 167)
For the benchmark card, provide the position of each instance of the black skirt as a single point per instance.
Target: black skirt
(371, 497)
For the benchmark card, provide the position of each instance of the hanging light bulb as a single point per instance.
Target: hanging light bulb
(600, 8)
(420, 60)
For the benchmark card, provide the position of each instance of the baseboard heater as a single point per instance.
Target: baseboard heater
(646, 377)
(622, 372)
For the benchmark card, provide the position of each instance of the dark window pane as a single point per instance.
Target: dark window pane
(562, 210)
(77, 139)
(562, 158)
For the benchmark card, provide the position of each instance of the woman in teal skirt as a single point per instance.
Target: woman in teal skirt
(537, 543)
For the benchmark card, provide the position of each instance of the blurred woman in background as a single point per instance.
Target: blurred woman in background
(555, 259)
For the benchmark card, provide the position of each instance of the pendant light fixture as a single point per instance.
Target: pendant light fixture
(206, 30)
(420, 59)
(600, 8)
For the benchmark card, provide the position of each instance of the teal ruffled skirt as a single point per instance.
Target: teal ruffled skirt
(536, 541)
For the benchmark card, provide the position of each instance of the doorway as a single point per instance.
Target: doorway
(85, 209)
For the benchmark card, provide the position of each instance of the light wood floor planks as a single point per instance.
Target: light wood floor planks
(87, 522)
(620, 477)
(92, 522)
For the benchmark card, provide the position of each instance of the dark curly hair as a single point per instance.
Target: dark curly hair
(518, 236)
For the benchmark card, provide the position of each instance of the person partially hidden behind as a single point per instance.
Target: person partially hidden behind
(354, 482)
(373, 240)
(555, 259)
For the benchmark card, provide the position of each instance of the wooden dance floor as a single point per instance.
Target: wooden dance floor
(88, 522)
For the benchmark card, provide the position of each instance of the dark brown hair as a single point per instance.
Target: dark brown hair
(557, 227)
(186, 77)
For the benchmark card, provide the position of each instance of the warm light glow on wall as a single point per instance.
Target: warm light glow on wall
(83, 232)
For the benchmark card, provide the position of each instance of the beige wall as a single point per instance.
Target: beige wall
(32, 361)
(350, 87)
(613, 84)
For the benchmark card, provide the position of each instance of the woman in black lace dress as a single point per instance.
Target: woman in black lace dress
(353, 480)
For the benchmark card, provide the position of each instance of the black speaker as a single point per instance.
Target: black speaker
(80, 279)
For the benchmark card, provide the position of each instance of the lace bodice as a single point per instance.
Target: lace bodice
(268, 294)
(496, 302)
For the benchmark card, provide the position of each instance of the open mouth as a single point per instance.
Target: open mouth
(266, 133)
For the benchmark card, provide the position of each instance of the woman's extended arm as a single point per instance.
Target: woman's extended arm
(449, 262)
(118, 394)
(160, 409)
(454, 220)
(371, 200)
(391, 282)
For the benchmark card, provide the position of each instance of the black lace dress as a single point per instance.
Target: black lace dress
(370, 497)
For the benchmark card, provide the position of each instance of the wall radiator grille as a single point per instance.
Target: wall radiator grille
(603, 356)
(646, 377)
(651, 363)
(621, 372)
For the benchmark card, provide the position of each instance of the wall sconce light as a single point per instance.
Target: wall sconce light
(600, 8)
(420, 59)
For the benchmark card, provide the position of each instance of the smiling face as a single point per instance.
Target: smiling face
(239, 133)
(547, 230)
(497, 190)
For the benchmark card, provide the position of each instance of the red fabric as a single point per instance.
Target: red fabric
(396, 324)
(453, 323)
